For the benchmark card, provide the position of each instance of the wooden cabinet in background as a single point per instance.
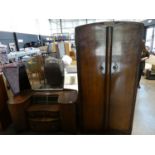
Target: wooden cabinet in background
(108, 56)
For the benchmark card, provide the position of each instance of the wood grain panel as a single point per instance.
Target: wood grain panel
(5, 119)
(126, 50)
(91, 42)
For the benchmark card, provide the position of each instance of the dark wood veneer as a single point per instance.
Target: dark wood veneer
(22, 104)
(5, 119)
(108, 56)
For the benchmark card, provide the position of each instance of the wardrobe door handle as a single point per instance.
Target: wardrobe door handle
(114, 67)
(102, 68)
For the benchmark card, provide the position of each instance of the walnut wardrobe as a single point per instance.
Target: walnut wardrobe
(108, 56)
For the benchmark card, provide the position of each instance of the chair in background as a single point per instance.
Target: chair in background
(72, 55)
(53, 50)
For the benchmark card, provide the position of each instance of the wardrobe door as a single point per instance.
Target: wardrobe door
(126, 48)
(90, 45)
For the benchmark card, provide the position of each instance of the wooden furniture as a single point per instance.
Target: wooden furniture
(5, 119)
(44, 110)
(108, 56)
(44, 117)
(72, 55)
(17, 78)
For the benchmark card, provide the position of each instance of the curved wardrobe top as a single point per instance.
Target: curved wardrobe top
(110, 23)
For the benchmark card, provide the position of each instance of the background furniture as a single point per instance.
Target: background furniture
(150, 74)
(108, 56)
(149, 62)
(35, 70)
(5, 119)
(19, 54)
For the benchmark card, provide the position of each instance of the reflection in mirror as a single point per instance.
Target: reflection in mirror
(45, 72)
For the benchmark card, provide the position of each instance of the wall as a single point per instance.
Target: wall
(6, 37)
(43, 39)
(26, 38)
